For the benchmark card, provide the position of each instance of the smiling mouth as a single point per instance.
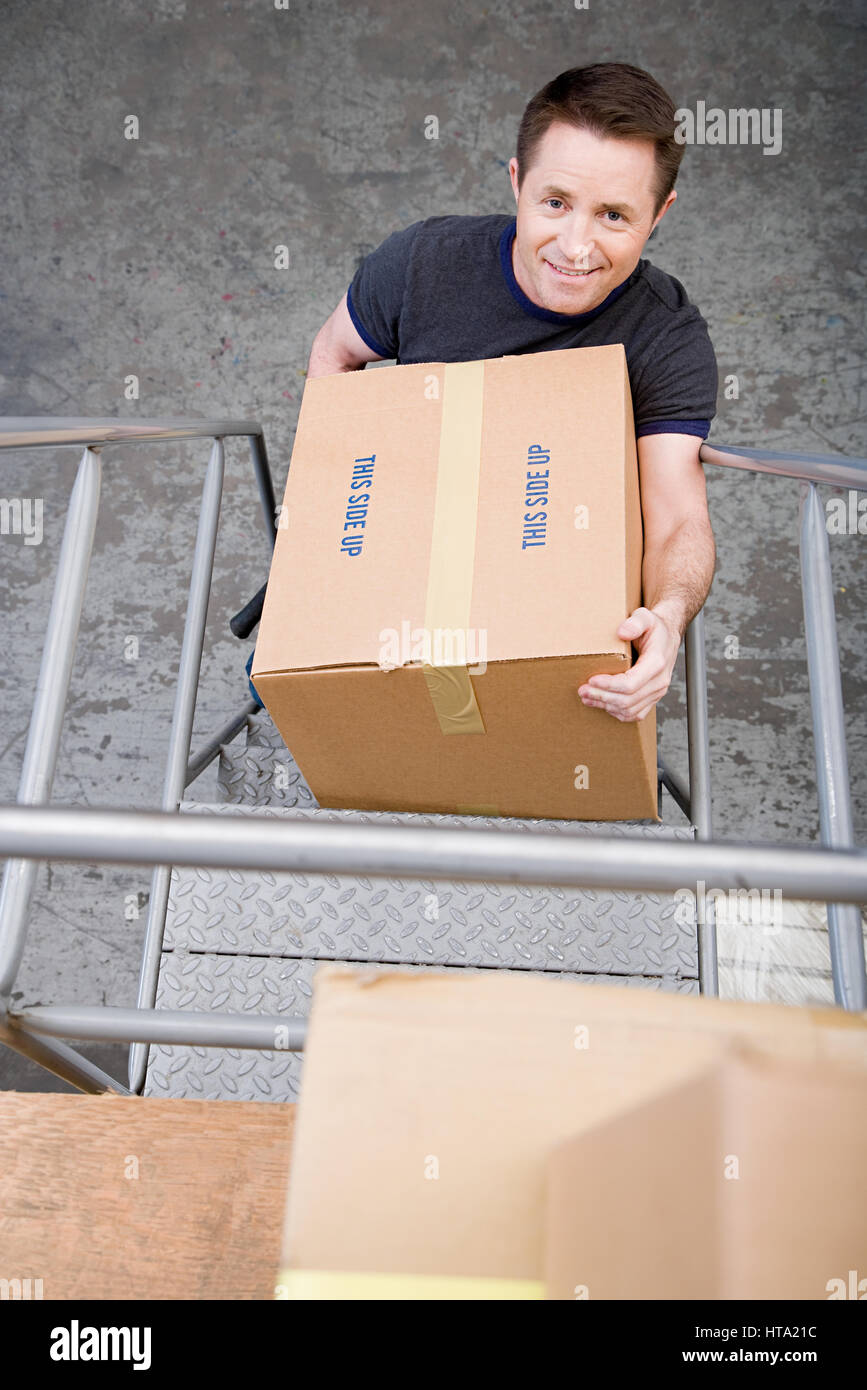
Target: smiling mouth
(572, 274)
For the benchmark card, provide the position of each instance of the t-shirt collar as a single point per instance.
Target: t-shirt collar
(550, 315)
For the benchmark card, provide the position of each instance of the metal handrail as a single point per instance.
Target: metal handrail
(52, 686)
(93, 834)
(845, 931)
(28, 432)
(835, 871)
(42, 432)
(178, 755)
(807, 468)
(196, 1028)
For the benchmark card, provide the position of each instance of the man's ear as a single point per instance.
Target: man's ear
(672, 197)
(513, 175)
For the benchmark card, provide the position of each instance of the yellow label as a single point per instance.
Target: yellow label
(357, 1284)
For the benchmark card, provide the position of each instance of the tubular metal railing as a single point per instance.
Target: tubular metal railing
(835, 871)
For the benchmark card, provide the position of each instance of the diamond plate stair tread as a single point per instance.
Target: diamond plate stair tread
(261, 770)
(250, 984)
(262, 731)
(251, 942)
(793, 967)
(428, 922)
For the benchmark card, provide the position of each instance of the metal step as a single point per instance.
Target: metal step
(427, 921)
(261, 771)
(253, 941)
(785, 961)
(266, 985)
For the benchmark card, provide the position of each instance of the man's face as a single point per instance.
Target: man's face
(586, 205)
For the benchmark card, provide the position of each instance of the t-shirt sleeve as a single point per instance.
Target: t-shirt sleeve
(375, 296)
(677, 388)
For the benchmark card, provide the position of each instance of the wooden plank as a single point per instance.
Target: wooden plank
(116, 1197)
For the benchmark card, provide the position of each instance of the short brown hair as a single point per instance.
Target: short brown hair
(607, 99)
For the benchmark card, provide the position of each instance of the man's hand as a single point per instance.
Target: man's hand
(633, 695)
(677, 571)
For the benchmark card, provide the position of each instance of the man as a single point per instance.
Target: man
(594, 174)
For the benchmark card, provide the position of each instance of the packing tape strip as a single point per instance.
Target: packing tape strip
(357, 1284)
(453, 543)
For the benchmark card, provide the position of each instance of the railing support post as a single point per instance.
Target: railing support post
(59, 1059)
(700, 804)
(181, 734)
(49, 704)
(265, 483)
(832, 765)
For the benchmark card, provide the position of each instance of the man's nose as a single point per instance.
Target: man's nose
(577, 244)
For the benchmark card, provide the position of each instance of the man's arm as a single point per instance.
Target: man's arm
(679, 559)
(679, 550)
(338, 346)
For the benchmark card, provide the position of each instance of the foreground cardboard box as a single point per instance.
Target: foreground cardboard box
(458, 545)
(746, 1181)
(432, 1105)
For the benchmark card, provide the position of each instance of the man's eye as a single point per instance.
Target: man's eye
(554, 200)
(612, 213)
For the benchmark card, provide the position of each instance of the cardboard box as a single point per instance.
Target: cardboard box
(745, 1182)
(431, 1105)
(458, 545)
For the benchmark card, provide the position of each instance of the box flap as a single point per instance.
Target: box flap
(745, 1181)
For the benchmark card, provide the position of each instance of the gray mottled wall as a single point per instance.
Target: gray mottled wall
(305, 126)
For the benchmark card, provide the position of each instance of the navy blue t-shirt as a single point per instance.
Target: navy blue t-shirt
(443, 290)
